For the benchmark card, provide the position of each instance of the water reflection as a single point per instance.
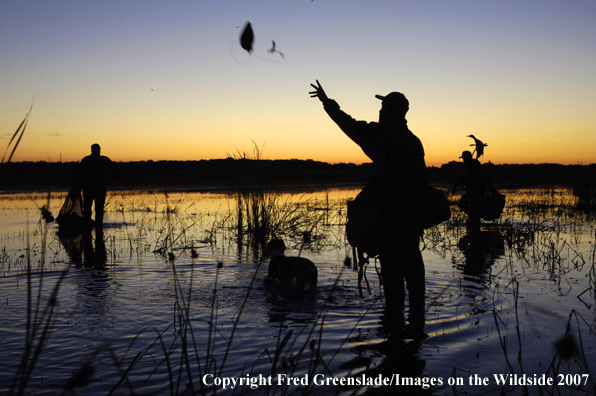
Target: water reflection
(461, 324)
(95, 256)
(88, 251)
(402, 364)
(481, 250)
(73, 246)
(83, 249)
(399, 357)
(295, 308)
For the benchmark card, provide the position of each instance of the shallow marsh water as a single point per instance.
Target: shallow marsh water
(495, 306)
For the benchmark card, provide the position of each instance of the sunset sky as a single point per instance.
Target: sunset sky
(168, 80)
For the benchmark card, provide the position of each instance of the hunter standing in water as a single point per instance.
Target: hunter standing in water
(397, 188)
(93, 177)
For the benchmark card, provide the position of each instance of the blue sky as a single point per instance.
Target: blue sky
(168, 79)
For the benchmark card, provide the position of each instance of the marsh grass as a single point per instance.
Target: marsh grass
(261, 213)
(186, 360)
(571, 348)
(182, 357)
(18, 135)
(39, 318)
(568, 349)
(531, 227)
(532, 240)
(535, 228)
(254, 203)
(179, 353)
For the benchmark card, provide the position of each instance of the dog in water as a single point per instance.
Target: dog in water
(294, 272)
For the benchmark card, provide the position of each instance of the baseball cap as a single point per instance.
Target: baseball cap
(395, 98)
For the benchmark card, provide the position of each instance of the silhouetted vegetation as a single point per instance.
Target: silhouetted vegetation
(204, 174)
(307, 174)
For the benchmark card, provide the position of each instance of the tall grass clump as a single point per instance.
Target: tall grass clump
(254, 203)
(262, 212)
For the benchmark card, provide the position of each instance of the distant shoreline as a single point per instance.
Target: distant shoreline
(227, 175)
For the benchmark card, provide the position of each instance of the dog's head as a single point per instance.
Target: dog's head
(276, 244)
(275, 249)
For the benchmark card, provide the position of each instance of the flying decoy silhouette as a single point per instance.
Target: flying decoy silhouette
(272, 50)
(247, 38)
(479, 146)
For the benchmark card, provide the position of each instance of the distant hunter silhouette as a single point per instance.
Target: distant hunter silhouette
(93, 176)
(481, 199)
(473, 198)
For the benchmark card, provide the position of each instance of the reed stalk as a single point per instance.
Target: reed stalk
(19, 132)
(39, 319)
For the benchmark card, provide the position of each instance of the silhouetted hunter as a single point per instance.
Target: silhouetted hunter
(397, 189)
(475, 183)
(93, 176)
(481, 200)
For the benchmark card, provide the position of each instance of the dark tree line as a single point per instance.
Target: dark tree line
(228, 173)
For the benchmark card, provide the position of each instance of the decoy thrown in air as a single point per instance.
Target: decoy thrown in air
(247, 38)
(272, 50)
(479, 146)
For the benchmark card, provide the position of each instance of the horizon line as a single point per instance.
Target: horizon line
(303, 160)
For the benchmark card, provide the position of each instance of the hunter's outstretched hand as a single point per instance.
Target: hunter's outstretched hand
(319, 92)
